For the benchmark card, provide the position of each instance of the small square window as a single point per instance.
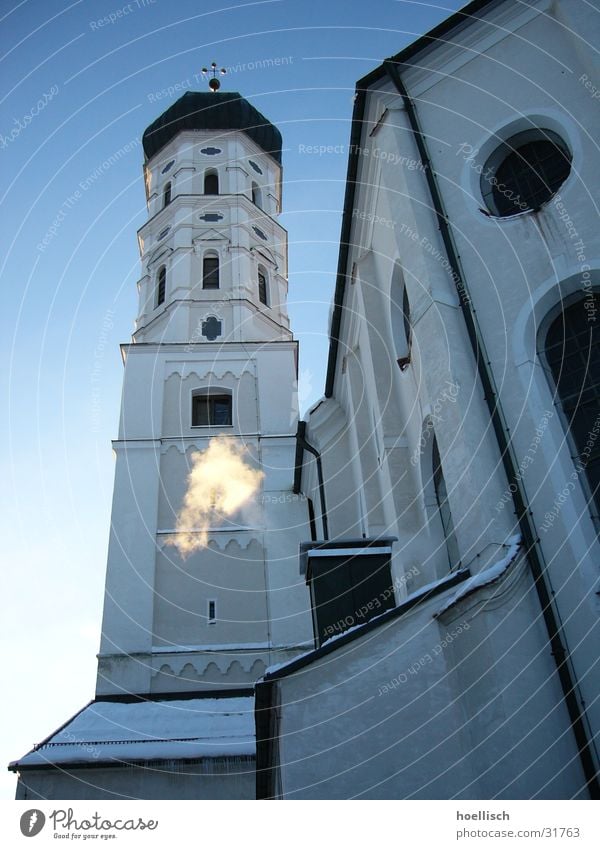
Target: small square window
(211, 410)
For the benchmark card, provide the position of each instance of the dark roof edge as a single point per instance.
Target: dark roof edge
(66, 768)
(462, 17)
(426, 595)
(234, 693)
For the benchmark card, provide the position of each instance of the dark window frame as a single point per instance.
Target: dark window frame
(211, 611)
(211, 182)
(211, 271)
(443, 506)
(263, 286)
(167, 194)
(570, 351)
(525, 172)
(212, 408)
(161, 285)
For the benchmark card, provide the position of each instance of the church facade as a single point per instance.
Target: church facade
(462, 417)
(406, 602)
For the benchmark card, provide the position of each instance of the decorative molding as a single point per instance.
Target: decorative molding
(161, 253)
(208, 235)
(196, 666)
(266, 254)
(236, 368)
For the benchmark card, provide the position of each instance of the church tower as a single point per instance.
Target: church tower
(203, 591)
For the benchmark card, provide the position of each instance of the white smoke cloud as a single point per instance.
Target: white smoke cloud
(219, 484)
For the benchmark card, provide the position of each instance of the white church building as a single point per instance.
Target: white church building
(404, 601)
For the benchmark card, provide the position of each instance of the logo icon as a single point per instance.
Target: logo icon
(32, 822)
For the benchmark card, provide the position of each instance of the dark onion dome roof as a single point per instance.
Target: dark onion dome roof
(226, 110)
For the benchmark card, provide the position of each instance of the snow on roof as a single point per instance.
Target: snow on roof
(486, 576)
(151, 730)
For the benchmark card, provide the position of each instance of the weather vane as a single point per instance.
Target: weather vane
(214, 83)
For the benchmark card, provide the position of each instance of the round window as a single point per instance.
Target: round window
(524, 172)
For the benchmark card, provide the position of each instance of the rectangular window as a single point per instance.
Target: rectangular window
(262, 288)
(210, 272)
(162, 285)
(212, 612)
(211, 410)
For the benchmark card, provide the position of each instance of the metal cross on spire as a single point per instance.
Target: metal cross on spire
(214, 82)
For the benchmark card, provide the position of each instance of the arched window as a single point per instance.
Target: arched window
(210, 271)
(211, 408)
(400, 315)
(211, 182)
(443, 505)
(524, 172)
(167, 195)
(161, 285)
(263, 295)
(256, 195)
(572, 350)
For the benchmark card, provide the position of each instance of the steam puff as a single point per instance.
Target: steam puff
(218, 485)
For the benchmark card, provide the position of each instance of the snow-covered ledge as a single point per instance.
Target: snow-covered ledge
(488, 576)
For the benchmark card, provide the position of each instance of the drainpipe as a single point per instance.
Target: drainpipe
(301, 446)
(556, 636)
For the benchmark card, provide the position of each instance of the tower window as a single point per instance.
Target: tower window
(524, 172)
(406, 319)
(167, 195)
(210, 272)
(400, 317)
(211, 612)
(211, 409)
(256, 195)
(161, 286)
(211, 183)
(573, 354)
(262, 286)
(443, 505)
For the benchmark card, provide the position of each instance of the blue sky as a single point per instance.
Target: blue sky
(81, 81)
